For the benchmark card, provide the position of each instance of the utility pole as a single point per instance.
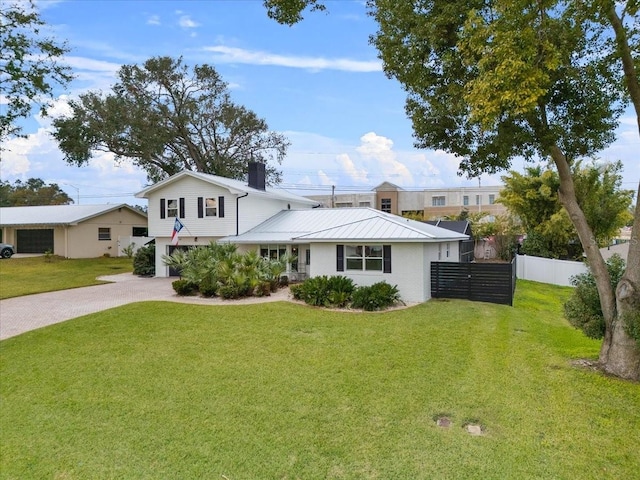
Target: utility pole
(333, 196)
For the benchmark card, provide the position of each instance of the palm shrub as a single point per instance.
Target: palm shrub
(340, 290)
(144, 261)
(583, 310)
(378, 296)
(184, 287)
(314, 291)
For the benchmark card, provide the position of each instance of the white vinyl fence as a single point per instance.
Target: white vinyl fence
(548, 270)
(137, 242)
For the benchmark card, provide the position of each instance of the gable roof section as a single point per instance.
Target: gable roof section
(56, 214)
(342, 224)
(234, 186)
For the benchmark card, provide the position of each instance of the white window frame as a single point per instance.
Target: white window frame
(210, 207)
(385, 205)
(364, 258)
(172, 211)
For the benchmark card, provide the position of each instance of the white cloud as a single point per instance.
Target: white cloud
(185, 22)
(359, 175)
(153, 20)
(379, 149)
(223, 54)
(325, 179)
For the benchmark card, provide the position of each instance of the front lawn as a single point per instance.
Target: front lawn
(285, 391)
(24, 276)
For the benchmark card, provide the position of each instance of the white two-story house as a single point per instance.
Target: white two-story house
(211, 207)
(364, 244)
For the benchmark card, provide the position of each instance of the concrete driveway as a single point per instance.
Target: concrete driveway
(22, 314)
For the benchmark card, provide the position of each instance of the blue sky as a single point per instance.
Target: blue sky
(318, 82)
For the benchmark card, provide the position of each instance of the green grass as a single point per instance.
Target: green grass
(24, 276)
(283, 391)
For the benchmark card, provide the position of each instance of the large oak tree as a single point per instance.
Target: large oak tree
(492, 80)
(167, 118)
(32, 192)
(30, 64)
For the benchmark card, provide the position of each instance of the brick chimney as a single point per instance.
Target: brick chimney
(257, 175)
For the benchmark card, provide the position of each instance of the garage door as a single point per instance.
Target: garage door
(34, 241)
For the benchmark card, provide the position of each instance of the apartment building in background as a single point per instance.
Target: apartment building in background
(433, 204)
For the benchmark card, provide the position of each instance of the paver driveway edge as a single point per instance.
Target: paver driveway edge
(22, 314)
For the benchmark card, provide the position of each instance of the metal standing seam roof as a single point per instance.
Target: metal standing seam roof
(55, 214)
(234, 186)
(342, 224)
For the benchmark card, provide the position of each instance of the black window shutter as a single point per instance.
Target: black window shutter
(340, 258)
(182, 208)
(386, 259)
(220, 207)
(163, 211)
(200, 208)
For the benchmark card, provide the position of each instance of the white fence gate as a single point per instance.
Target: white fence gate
(137, 242)
(548, 270)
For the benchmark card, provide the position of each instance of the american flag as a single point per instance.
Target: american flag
(177, 226)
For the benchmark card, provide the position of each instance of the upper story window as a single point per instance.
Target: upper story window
(364, 204)
(437, 201)
(172, 208)
(211, 207)
(492, 199)
(478, 199)
(344, 204)
(465, 200)
(385, 205)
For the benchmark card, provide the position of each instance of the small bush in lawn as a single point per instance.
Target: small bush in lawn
(144, 261)
(375, 297)
(583, 307)
(184, 287)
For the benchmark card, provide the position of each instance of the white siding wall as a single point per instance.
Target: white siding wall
(406, 259)
(253, 209)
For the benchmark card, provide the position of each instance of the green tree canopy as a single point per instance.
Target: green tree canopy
(493, 80)
(32, 192)
(533, 198)
(30, 64)
(167, 118)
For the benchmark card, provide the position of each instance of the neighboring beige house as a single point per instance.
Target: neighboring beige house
(71, 231)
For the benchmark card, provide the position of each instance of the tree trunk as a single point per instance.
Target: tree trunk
(624, 353)
(620, 353)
